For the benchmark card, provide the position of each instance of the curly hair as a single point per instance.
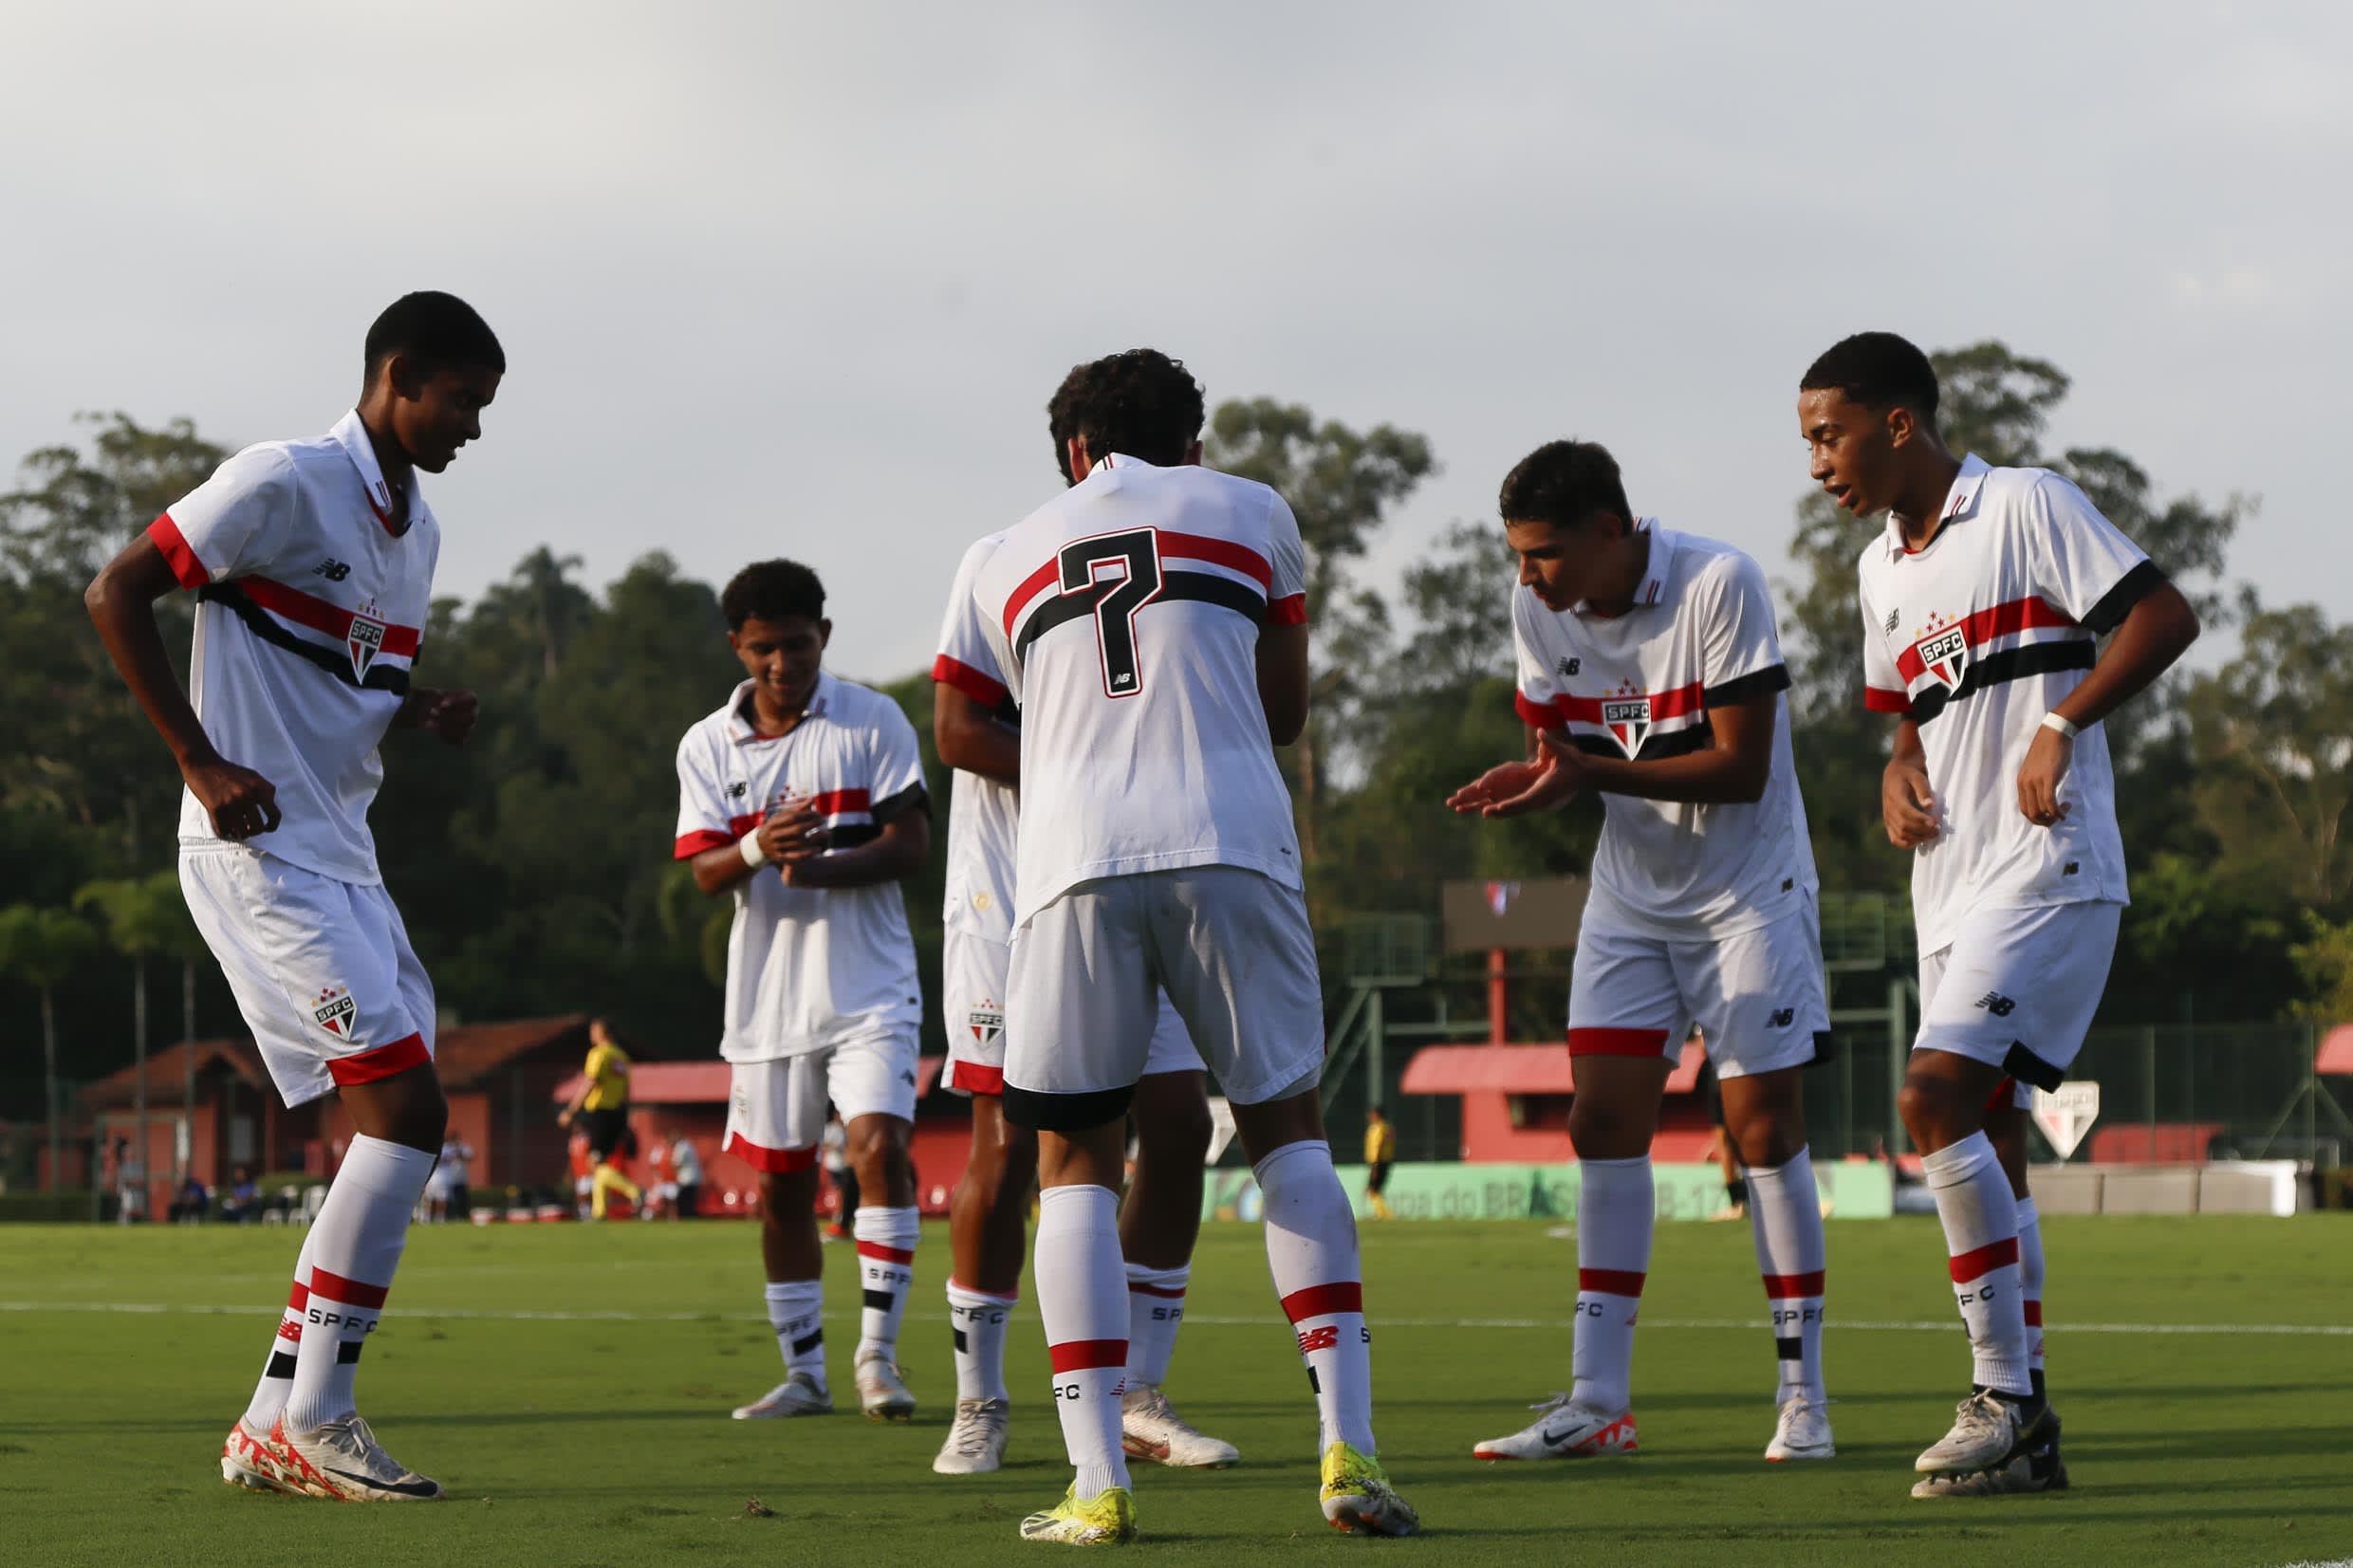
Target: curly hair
(771, 590)
(1879, 370)
(1140, 402)
(1563, 483)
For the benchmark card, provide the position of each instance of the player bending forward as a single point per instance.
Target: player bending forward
(1651, 673)
(313, 563)
(977, 731)
(1150, 622)
(1981, 608)
(803, 800)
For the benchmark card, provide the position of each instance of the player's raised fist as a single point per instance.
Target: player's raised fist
(240, 802)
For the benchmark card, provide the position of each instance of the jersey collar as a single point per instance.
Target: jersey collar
(739, 728)
(1960, 504)
(1654, 588)
(351, 432)
(1117, 460)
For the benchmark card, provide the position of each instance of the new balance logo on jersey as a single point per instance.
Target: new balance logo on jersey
(987, 1021)
(365, 640)
(1945, 654)
(1997, 1004)
(334, 1010)
(1627, 719)
(1894, 617)
(332, 569)
(737, 790)
(1568, 667)
(1784, 1016)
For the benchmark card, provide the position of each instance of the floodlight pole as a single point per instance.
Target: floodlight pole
(1498, 1029)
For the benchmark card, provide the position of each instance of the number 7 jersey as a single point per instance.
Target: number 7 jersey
(1124, 615)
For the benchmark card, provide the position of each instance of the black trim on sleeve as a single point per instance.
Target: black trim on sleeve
(2026, 1067)
(1045, 1113)
(2031, 658)
(381, 676)
(914, 798)
(2117, 602)
(1756, 683)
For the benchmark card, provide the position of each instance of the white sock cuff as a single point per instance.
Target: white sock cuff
(965, 1296)
(2027, 1215)
(1958, 1162)
(1160, 1279)
(1800, 1163)
(1305, 1149)
(384, 1166)
(892, 1227)
(1638, 1161)
(1087, 1205)
(788, 1291)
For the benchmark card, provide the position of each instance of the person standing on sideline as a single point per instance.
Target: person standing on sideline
(601, 1106)
(312, 561)
(1983, 605)
(1379, 1152)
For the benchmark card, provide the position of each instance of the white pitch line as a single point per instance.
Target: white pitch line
(1934, 1325)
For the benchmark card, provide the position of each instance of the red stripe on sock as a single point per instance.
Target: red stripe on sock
(1086, 1354)
(1611, 1282)
(299, 1296)
(2034, 1314)
(1323, 1300)
(888, 1254)
(357, 1292)
(1985, 1260)
(382, 1062)
(1161, 1291)
(1781, 1287)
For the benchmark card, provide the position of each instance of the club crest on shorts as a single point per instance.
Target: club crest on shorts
(335, 1011)
(1626, 715)
(987, 1021)
(1943, 651)
(365, 640)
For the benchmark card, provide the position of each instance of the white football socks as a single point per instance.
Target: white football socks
(1311, 1252)
(1785, 1215)
(1614, 1207)
(1156, 1309)
(277, 1379)
(355, 1247)
(979, 1320)
(1082, 1299)
(796, 1312)
(2030, 1285)
(886, 1239)
(1981, 1234)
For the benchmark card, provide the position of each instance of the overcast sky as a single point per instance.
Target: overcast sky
(798, 280)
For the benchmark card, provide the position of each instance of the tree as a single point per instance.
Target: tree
(1342, 485)
(141, 917)
(40, 948)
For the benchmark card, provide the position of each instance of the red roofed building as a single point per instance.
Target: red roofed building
(1515, 1101)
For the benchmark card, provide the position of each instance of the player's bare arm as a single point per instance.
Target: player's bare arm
(718, 869)
(122, 601)
(2157, 631)
(896, 852)
(1540, 783)
(1907, 805)
(448, 715)
(1283, 681)
(971, 736)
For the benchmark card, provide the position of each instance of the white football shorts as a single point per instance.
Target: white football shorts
(776, 1107)
(974, 974)
(322, 969)
(1231, 951)
(2018, 986)
(1758, 995)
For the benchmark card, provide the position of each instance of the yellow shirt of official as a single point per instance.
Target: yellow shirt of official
(608, 1078)
(1379, 1142)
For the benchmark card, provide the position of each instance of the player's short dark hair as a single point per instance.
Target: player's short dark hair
(1563, 483)
(1140, 402)
(1879, 370)
(771, 590)
(438, 331)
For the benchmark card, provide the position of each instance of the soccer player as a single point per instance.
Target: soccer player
(1379, 1152)
(1151, 624)
(1651, 675)
(802, 800)
(977, 731)
(1982, 606)
(313, 563)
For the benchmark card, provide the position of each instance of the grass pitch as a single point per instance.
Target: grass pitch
(570, 1386)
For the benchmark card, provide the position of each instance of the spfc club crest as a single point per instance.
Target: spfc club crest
(334, 1010)
(1945, 654)
(986, 1022)
(1627, 719)
(365, 640)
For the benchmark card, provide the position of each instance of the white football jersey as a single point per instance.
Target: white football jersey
(983, 814)
(1700, 635)
(1976, 639)
(1124, 615)
(807, 968)
(311, 610)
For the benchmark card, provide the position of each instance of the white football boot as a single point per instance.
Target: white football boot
(976, 1442)
(2038, 1470)
(1802, 1430)
(1151, 1429)
(796, 1396)
(882, 1392)
(1988, 1432)
(1565, 1431)
(344, 1457)
(252, 1460)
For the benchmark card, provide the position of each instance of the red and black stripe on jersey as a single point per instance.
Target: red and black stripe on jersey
(1691, 701)
(983, 688)
(1176, 582)
(1922, 704)
(853, 817)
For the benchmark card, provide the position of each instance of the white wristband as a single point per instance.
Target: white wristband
(749, 847)
(2065, 726)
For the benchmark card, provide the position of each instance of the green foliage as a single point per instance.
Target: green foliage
(2324, 963)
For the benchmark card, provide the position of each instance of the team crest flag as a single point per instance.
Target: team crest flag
(335, 1009)
(1627, 719)
(986, 1022)
(1945, 654)
(365, 640)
